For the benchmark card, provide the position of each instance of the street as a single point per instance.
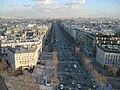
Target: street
(70, 72)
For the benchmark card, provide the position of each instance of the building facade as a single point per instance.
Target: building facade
(108, 56)
(91, 40)
(22, 57)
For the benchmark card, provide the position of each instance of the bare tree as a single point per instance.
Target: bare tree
(112, 69)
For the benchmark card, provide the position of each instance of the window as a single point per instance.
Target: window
(113, 63)
(106, 59)
(111, 59)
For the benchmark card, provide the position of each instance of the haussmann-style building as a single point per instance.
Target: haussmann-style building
(22, 57)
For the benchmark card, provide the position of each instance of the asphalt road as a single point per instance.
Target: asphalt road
(2, 85)
(69, 76)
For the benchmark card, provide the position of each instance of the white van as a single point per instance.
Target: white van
(75, 66)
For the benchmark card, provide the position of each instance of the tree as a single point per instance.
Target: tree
(18, 71)
(112, 69)
(0, 69)
(118, 73)
(4, 64)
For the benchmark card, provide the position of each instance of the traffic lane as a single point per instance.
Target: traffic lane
(64, 46)
(80, 69)
(81, 74)
(71, 76)
(66, 81)
(83, 77)
(69, 83)
(74, 72)
(65, 76)
(62, 66)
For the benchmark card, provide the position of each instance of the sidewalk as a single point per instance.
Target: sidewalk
(2, 84)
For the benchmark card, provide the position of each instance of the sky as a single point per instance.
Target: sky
(60, 8)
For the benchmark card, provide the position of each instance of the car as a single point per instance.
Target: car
(78, 86)
(60, 59)
(73, 82)
(93, 86)
(76, 77)
(85, 77)
(56, 40)
(70, 76)
(97, 86)
(67, 74)
(66, 70)
(91, 76)
(76, 72)
(61, 78)
(61, 86)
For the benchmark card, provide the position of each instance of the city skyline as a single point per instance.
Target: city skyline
(60, 8)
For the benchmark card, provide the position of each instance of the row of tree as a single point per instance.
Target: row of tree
(114, 70)
(97, 75)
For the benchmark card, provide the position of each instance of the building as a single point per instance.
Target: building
(87, 41)
(90, 40)
(108, 55)
(22, 42)
(37, 40)
(89, 33)
(22, 57)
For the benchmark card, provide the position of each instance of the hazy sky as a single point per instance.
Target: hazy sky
(60, 8)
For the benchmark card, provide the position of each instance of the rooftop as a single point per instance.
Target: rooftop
(110, 48)
(22, 49)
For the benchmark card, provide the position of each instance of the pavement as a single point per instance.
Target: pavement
(100, 68)
(2, 84)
